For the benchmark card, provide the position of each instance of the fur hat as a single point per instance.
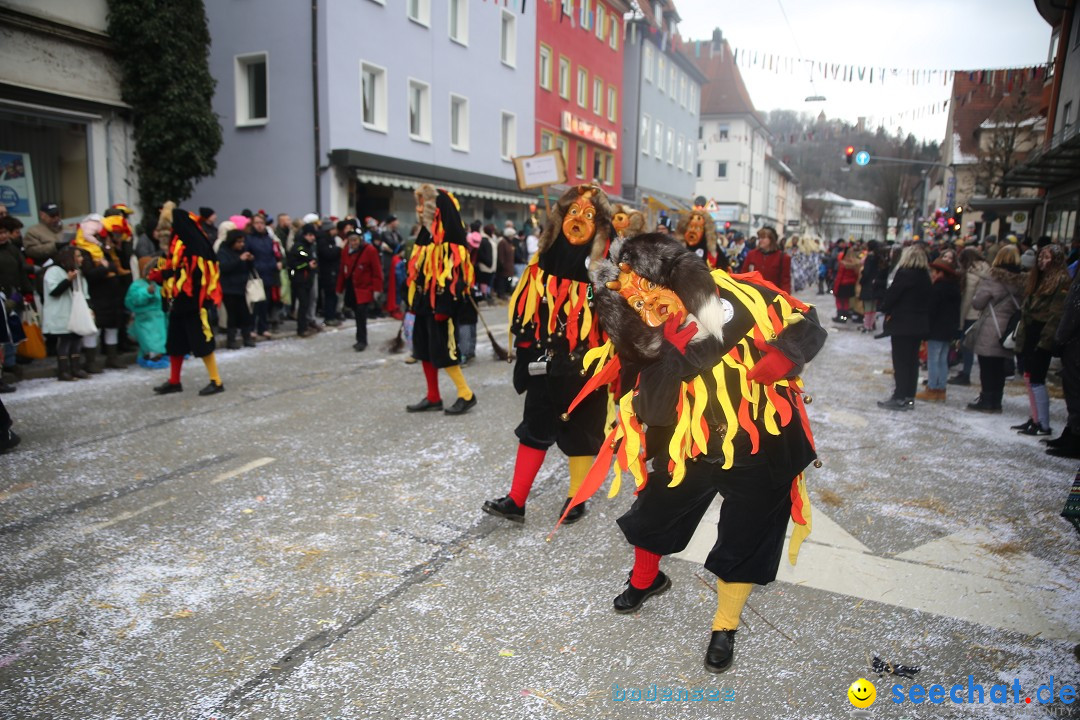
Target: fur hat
(165, 217)
(604, 230)
(709, 233)
(665, 261)
(425, 199)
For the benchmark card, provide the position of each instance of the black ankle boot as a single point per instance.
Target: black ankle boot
(505, 508)
(721, 651)
(574, 515)
(630, 599)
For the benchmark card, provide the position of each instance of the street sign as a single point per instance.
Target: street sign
(862, 158)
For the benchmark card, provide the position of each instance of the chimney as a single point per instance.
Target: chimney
(717, 40)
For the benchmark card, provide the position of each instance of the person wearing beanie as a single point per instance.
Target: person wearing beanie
(439, 283)
(208, 221)
(708, 367)
(190, 277)
(943, 312)
(237, 268)
(554, 326)
(302, 265)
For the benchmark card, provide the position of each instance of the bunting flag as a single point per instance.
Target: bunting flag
(1004, 80)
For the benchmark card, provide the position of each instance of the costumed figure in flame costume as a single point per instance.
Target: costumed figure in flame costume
(190, 281)
(439, 282)
(709, 366)
(698, 232)
(554, 324)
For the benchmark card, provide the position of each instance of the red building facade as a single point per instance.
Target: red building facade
(579, 76)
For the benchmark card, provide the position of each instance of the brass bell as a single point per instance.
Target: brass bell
(808, 399)
(564, 417)
(817, 463)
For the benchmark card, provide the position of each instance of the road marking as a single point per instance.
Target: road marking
(86, 530)
(247, 467)
(954, 576)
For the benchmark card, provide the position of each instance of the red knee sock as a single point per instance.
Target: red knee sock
(646, 568)
(527, 466)
(431, 374)
(175, 363)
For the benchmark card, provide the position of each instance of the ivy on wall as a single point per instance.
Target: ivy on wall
(162, 47)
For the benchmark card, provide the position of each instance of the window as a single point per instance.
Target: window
(722, 132)
(721, 170)
(699, 170)
(646, 61)
(373, 92)
(459, 122)
(586, 15)
(543, 67)
(508, 144)
(251, 97)
(547, 141)
(420, 11)
(564, 78)
(682, 89)
(603, 168)
(689, 156)
(582, 160)
(459, 21)
(679, 151)
(563, 146)
(693, 99)
(645, 135)
(700, 132)
(601, 22)
(669, 146)
(568, 7)
(598, 167)
(661, 74)
(419, 110)
(582, 87)
(598, 96)
(613, 34)
(612, 103)
(658, 140)
(1068, 116)
(671, 83)
(508, 39)
(609, 169)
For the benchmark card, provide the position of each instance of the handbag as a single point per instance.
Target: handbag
(81, 321)
(254, 291)
(33, 347)
(971, 335)
(1008, 337)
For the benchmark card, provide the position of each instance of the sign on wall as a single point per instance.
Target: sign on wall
(540, 170)
(590, 131)
(17, 186)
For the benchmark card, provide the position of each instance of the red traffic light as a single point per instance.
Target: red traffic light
(727, 225)
(849, 153)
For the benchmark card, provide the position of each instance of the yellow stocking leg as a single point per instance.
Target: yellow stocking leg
(211, 368)
(463, 391)
(730, 599)
(579, 468)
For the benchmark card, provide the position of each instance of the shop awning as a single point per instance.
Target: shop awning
(1052, 167)
(666, 202)
(405, 181)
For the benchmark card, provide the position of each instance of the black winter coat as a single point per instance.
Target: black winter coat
(943, 312)
(329, 256)
(875, 274)
(234, 271)
(906, 302)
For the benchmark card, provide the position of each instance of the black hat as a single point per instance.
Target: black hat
(390, 219)
(205, 212)
(50, 209)
(309, 228)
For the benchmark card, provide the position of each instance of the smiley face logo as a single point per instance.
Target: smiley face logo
(862, 693)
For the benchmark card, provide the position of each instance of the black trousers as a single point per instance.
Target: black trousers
(302, 295)
(328, 295)
(361, 312)
(5, 419)
(905, 362)
(186, 333)
(1070, 383)
(239, 315)
(992, 378)
(753, 518)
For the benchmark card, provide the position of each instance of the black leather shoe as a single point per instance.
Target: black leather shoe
(896, 404)
(505, 508)
(1061, 440)
(461, 406)
(961, 379)
(1026, 425)
(213, 388)
(359, 347)
(721, 651)
(423, 405)
(167, 388)
(631, 598)
(983, 406)
(6, 387)
(574, 515)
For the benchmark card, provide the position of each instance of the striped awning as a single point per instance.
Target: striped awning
(405, 181)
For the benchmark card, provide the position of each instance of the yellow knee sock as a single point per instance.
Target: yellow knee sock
(211, 368)
(579, 468)
(730, 599)
(463, 391)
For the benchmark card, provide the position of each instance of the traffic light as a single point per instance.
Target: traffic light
(727, 226)
(849, 153)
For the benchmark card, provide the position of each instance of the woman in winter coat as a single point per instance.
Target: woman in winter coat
(973, 269)
(847, 275)
(105, 265)
(60, 279)
(261, 244)
(1047, 287)
(999, 294)
(943, 314)
(360, 278)
(905, 306)
(872, 280)
(236, 265)
(1068, 341)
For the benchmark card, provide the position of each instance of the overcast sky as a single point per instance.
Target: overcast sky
(912, 34)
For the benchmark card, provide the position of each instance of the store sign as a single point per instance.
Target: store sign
(590, 131)
(17, 186)
(540, 170)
